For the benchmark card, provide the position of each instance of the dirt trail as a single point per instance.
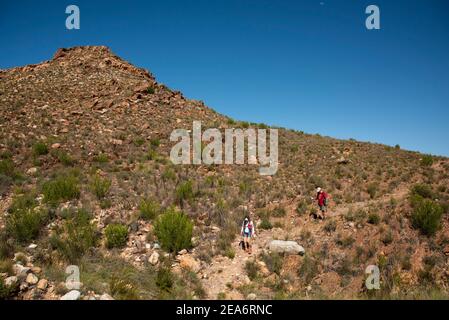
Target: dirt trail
(224, 272)
(400, 192)
(224, 275)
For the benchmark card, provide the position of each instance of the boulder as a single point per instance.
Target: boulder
(71, 295)
(189, 263)
(251, 296)
(154, 258)
(20, 270)
(31, 279)
(42, 284)
(11, 281)
(288, 247)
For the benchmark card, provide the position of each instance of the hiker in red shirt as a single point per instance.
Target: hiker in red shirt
(322, 199)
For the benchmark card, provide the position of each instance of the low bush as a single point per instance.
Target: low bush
(100, 186)
(174, 230)
(278, 212)
(373, 218)
(149, 209)
(308, 269)
(61, 188)
(273, 261)
(116, 235)
(252, 269)
(122, 288)
(427, 160)
(184, 192)
(75, 237)
(426, 217)
(164, 279)
(25, 225)
(40, 149)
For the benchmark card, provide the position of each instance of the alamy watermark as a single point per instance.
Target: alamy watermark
(73, 21)
(212, 152)
(373, 20)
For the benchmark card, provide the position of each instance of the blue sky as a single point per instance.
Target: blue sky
(307, 65)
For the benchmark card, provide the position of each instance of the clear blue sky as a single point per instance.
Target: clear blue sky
(308, 65)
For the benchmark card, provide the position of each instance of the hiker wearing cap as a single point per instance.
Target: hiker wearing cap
(322, 199)
(248, 231)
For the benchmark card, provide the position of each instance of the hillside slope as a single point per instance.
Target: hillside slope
(87, 131)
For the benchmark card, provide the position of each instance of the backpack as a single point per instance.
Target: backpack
(248, 228)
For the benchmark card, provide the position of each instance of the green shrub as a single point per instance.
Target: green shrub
(373, 218)
(101, 158)
(252, 269)
(273, 261)
(6, 248)
(65, 158)
(372, 189)
(427, 160)
(100, 187)
(75, 237)
(116, 235)
(154, 143)
(422, 190)
(164, 279)
(387, 238)
(123, 288)
(302, 207)
(184, 192)
(7, 167)
(427, 217)
(308, 269)
(61, 188)
(174, 230)
(330, 226)
(150, 90)
(265, 224)
(149, 209)
(278, 212)
(40, 149)
(25, 223)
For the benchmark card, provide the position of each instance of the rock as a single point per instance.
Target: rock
(56, 146)
(11, 281)
(116, 142)
(288, 247)
(42, 284)
(183, 251)
(251, 296)
(156, 246)
(195, 241)
(106, 296)
(71, 295)
(188, 262)
(154, 258)
(31, 171)
(32, 246)
(31, 279)
(20, 270)
(343, 160)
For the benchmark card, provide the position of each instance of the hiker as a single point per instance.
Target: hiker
(248, 231)
(322, 199)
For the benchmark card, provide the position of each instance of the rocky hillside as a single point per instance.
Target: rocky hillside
(86, 180)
